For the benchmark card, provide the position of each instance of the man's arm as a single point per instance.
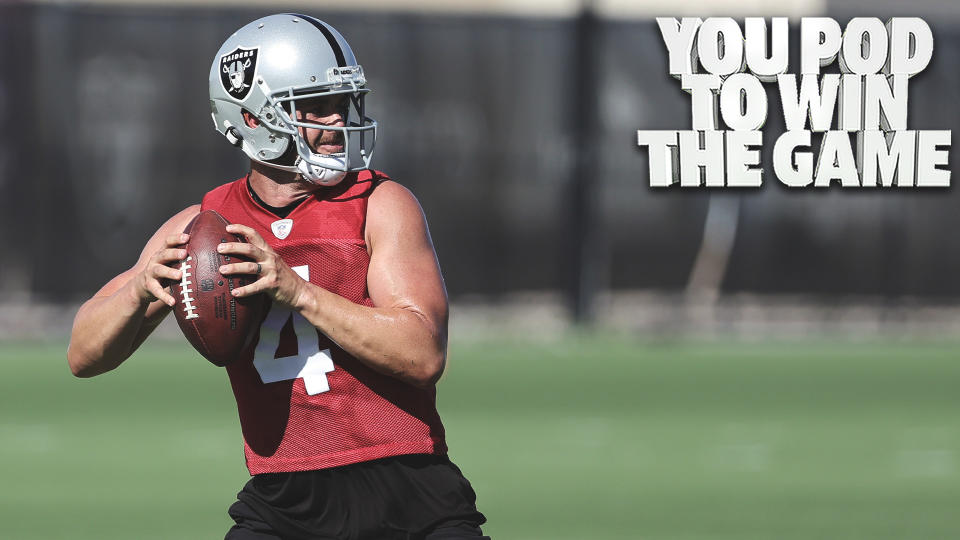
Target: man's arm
(120, 316)
(405, 334)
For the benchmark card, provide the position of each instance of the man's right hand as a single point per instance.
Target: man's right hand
(149, 283)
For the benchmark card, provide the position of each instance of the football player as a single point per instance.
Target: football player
(336, 397)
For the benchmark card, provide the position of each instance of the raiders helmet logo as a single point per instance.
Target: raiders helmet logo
(236, 71)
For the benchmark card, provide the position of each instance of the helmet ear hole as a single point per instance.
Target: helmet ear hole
(250, 119)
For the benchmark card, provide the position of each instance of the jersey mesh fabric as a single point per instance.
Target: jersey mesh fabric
(364, 415)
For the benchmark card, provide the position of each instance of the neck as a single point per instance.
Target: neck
(278, 188)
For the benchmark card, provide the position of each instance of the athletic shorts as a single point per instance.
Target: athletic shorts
(413, 497)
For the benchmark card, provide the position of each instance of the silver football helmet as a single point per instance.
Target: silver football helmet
(266, 68)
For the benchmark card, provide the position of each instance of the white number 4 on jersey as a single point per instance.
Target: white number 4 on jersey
(310, 363)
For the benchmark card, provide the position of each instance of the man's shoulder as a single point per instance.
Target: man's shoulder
(391, 204)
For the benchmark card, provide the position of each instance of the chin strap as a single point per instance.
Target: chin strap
(320, 175)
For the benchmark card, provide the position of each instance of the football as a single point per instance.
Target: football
(217, 324)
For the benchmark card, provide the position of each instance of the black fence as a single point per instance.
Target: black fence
(107, 132)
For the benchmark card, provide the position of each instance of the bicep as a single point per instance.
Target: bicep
(404, 272)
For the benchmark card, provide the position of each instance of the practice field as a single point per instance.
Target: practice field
(589, 438)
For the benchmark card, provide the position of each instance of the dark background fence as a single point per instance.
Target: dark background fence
(107, 133)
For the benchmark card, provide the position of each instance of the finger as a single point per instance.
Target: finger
(252, 236)
(251, 289)
(177, 239)
(165, 256)
(160, 293)
(159, 272)
(240, 248)
(242, 268)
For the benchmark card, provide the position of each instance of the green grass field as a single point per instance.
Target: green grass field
(589, 438)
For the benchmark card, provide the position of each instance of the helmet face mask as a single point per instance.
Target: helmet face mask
(271, 68)
(355, 134)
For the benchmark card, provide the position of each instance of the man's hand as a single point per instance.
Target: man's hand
(148, 282)
(275, 277)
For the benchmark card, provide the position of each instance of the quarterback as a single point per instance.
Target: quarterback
(336, 395)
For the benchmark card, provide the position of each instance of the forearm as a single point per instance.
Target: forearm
(106, 331)
(397, 341)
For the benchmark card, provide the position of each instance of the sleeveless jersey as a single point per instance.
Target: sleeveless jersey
(305, 403)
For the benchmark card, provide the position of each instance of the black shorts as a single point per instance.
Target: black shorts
(415, 497)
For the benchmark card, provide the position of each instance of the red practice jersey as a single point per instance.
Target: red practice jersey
(304, 402)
